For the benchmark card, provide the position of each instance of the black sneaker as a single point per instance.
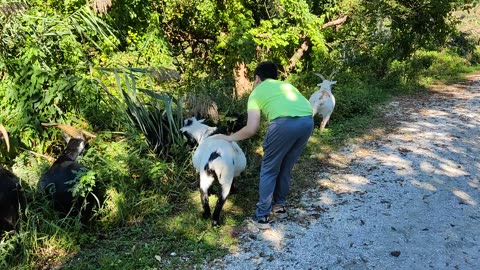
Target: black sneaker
(263, 223)
(280, 212)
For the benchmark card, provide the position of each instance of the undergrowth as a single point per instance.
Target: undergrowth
(151, 217)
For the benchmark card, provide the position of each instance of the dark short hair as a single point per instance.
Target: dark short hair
(266, 70)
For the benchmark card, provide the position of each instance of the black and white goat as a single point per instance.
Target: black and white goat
(214, 159)
(12, 200)
(322, 100)
(58, 180)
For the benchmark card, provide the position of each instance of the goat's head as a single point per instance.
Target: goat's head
(194, 131)
(75, 146)
(4, 136)
(77, 140)
(326, 84)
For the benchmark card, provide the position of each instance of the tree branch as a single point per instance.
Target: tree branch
(337, 23)
(298, 55)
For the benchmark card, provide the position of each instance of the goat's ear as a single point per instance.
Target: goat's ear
(201, 120)
(334, 82)
(66, 137)
(4, 136)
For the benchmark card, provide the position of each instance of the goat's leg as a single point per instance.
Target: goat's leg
(218, 208)
(206, 181)
(206, 207)
(220, 202)
(324, 122)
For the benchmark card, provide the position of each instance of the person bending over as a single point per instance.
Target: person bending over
(290, 125)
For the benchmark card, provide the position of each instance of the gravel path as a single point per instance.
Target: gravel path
(409, 200)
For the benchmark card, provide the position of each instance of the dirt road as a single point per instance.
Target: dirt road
(409, 200)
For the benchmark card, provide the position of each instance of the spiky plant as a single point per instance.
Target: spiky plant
(158, 115)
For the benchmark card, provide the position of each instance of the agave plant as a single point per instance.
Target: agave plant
(158, 115)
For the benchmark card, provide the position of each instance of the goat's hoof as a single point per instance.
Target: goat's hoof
(215, 223)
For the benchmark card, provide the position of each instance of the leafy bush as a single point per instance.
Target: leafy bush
(356, 97)
(445, 64)
(413, 73)
(45, 60)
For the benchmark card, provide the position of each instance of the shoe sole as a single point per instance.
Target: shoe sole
(280, 215)
(263, 226)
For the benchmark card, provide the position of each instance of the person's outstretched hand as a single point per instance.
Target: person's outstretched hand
(224, 137)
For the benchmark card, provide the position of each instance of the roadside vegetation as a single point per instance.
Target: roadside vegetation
(131, 71)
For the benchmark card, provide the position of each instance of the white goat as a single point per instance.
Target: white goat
(214, 159)
(323, 101)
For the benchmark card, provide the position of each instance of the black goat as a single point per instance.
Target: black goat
(59, 179)
(12, 200)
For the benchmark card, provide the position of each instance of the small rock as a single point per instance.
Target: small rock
(395, 253)
(404, 150)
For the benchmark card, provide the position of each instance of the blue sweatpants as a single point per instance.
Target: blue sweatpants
(284, 143)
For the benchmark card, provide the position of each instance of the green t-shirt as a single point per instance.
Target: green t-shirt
(278, 99)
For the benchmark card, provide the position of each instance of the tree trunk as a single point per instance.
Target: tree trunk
(298, 55)
(242, 83)
(305, 45)
(102, 6)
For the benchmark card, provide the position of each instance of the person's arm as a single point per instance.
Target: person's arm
(253, 123)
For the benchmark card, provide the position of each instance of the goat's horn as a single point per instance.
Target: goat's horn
(67, 129)
(333, 73)
(320, 75)
(5, 136)
(91, 135)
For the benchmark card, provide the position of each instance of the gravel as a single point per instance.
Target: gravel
(408, 200)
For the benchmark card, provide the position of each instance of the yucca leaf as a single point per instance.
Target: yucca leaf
(157, 115)
(164, 97)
